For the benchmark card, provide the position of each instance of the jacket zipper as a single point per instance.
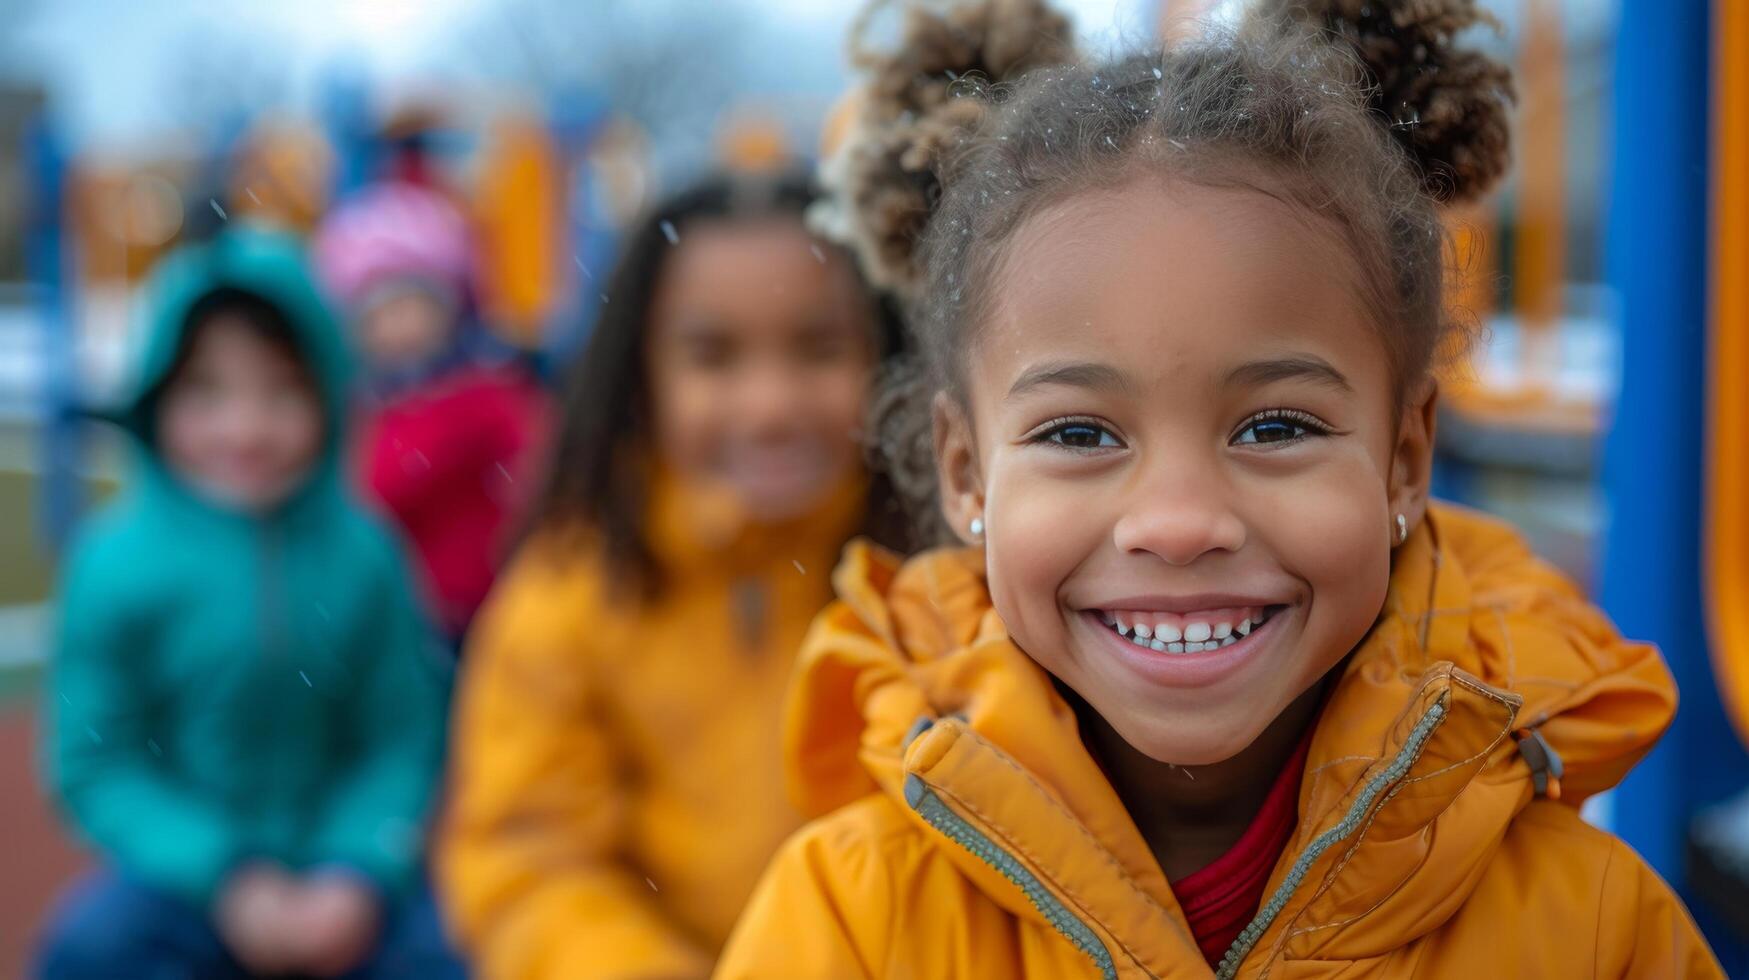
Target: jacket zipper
(273, 647)
(938, 815)
(1350, 822)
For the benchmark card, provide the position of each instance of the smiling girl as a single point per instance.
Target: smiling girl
(614, 791)
(1201, 680)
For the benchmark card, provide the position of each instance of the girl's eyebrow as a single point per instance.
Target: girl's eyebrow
(1076, 374)
(1309, 367)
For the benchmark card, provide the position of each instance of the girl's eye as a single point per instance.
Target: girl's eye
(708, 353)
(825, 347)
(1080, 435)
(1278, 427)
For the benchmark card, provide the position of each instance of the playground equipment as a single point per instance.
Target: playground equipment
(48, 261)
(547, 187)
(1655, 457)
(1728, 435)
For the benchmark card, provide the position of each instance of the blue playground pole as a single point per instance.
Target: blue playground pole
(60, 492)
(577, 118)
(346, 112)
(1653, 468)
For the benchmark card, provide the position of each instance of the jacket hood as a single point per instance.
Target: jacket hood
(910, 685)
(266, 264)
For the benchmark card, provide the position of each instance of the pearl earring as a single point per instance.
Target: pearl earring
(977, 527)
(1402, 529)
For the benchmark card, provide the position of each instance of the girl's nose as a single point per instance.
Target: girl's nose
(770, 396)
(1179, 517)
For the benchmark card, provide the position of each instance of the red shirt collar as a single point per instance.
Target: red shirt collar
(1221, 899)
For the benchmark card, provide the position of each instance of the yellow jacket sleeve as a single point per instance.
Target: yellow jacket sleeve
(812, 914)
(530, 855)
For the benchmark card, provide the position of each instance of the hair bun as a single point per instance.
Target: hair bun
(1447, 106)
(919, 101)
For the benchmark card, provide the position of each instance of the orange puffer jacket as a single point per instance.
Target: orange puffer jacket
(615, 786)
(972, 835)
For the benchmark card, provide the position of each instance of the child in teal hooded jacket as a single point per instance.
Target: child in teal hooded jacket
(246, 708)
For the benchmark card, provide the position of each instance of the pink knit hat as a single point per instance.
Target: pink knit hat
(390, 232)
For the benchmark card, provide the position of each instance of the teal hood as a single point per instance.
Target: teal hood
(266, 264)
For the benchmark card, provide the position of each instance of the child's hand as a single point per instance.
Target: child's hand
(336, 919)
(250, 914)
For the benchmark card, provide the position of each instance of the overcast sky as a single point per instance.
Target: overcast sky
(119, 72)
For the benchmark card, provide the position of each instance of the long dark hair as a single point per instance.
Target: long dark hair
(596, 481)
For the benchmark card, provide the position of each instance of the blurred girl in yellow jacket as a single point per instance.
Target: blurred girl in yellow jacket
(1206, 686)
(616, 783)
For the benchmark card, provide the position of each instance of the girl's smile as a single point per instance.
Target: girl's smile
(1194, 650)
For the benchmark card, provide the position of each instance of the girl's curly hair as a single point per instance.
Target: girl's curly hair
(1364, 112)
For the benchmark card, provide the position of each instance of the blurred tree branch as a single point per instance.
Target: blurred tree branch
(672, 65)
(224, 79)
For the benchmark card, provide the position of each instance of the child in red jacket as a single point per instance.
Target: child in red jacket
(445, 431)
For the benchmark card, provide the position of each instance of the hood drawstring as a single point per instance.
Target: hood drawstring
(1544, 761)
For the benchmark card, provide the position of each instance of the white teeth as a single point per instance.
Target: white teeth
(1193, 638)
